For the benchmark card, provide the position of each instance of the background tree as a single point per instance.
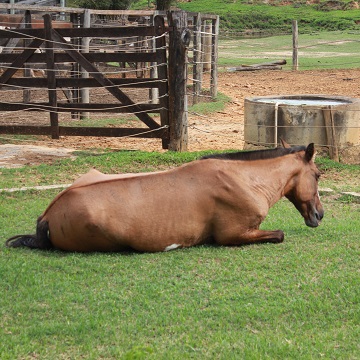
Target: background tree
(106, 4)
(120, 4)
(164, 4)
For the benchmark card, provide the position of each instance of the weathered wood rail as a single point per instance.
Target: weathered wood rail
(49, 45)
(69, 53)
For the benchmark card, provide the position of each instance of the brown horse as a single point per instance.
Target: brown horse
(222, 198)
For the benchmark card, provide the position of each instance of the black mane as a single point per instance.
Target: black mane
(256, 154)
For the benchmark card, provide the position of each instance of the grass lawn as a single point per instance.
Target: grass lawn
(320, 50)
(299, 299)
(263, 16)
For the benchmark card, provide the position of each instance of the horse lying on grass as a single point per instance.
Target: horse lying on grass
(220, 198)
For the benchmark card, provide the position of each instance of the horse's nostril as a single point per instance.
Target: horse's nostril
(319, 215)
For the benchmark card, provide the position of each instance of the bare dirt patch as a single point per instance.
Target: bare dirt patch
(12, 155)
(222, 130)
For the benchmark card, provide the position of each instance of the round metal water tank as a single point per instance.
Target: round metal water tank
(328, 121)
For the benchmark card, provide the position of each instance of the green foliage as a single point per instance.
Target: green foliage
(240, 16)
(106, 4)
(164, 4)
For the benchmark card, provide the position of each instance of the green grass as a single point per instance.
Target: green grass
(4, 138)
(255, 16)
(298, 299)
(208, 107)
(258, 17)
(97, 122)
(337, 176)
(338, 29)
(325, 50)
(88, 122)
(65, 171)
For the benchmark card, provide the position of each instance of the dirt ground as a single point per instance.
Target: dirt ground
(221, 130)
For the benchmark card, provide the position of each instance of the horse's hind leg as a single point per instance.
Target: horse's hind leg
(253, 237)
(263, 236)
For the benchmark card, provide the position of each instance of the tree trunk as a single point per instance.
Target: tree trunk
(163, 4)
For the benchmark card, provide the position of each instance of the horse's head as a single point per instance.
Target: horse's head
(303, 188)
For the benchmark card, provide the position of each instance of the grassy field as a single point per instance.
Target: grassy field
(258, 17)
(298, 299)
(321, 50)
(328, 37)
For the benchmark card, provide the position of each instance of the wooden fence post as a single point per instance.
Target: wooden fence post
(331, 134)
(75, 68)
(85, 48)
(179, 39)
(295, 34)
(26, 23)
(214, 58)
(154, 93)
(197, 66)
(162, 74)
(207, 45)
(51, 79)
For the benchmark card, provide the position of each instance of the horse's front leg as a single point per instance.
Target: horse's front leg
(254, 236)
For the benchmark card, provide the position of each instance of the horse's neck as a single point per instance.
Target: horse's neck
(273, 177)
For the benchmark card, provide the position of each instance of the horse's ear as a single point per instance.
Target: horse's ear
(310, 152)
(285, 144)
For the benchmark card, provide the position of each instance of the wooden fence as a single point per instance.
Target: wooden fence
(54, 45)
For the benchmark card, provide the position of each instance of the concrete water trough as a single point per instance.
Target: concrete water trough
(332, 122)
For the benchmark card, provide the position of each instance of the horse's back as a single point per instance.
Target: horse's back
(94, 176)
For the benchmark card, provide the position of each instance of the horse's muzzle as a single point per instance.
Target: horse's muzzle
(315, 217)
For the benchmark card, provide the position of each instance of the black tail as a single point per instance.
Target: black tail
(39, 241)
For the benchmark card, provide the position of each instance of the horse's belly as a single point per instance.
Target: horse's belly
(108, 219)
(66, 236)
(149, 234)
(83, 240)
